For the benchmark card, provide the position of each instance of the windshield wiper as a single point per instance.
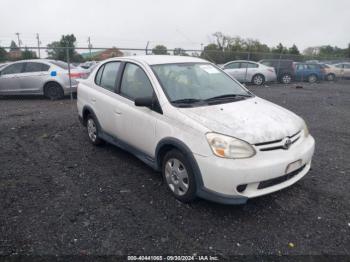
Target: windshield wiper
(227, 96)
(187, 101)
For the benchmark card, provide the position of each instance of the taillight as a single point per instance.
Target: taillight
(271, 70)
(76, 75)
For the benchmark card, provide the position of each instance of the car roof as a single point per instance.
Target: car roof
(161, 59)
(245, 61)
(32, 60)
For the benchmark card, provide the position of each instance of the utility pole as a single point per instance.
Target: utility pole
(38, 39)
(90, 46)
(19, 40)
(147, 47)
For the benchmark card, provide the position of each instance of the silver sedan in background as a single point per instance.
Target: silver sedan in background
(249, 71)
(39, 77)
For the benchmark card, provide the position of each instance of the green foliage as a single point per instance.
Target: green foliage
(27, 54)
(58, 49)
(3, 54)
(180, 51)
(226, 48)
(13, 46)
(213, 53)
(279, 49)
(160, 50)
(294, 50)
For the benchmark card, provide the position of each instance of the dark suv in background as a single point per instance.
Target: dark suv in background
(284, 69)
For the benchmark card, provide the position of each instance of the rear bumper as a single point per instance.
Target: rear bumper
(221, 177)
(68, 90)
(270, 77)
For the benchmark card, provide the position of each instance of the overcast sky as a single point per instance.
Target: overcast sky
(177, 23)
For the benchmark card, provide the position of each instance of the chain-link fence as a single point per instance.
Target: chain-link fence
(243, 65)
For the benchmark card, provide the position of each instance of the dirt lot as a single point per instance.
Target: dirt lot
(60, 195)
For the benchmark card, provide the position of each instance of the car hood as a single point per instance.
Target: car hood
(254, 120)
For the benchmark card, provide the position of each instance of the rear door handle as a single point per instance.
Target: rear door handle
(93, 99)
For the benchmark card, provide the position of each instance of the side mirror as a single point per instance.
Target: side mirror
(144, 101)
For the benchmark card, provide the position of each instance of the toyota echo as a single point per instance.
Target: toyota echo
(208, 135)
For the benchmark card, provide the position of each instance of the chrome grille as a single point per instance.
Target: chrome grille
(279, 144)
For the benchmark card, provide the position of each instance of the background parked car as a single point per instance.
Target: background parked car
(344, 69)
(2, 65)
(38, 77)
(249, 71)
(331, 72)
(284, 69)
(309, 72)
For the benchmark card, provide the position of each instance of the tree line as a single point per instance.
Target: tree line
(226, 48)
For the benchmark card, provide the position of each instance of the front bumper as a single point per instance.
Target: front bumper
(221, 176)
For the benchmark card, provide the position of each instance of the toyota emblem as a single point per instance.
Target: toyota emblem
(287, 144)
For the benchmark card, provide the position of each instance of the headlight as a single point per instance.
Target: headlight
(306, 130)
(229, 147)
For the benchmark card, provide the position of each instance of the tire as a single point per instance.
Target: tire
(178, 176)
(312, 78)
(258, 79)
(93, 130)
(286, 79)
(330, 77)
(53, 91)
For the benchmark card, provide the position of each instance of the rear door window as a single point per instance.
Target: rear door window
(109, 76)
(312, 67)
(35, 67)
(13, 69)
(300, 67)
(248, 65)
(232, 66)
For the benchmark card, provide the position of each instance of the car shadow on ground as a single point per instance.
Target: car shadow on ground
(253, 205)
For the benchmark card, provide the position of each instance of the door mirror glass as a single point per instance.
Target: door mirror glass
(144, 101)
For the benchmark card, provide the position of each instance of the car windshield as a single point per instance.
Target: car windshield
(198, 83)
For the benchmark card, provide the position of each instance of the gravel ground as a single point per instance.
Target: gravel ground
(60, 195)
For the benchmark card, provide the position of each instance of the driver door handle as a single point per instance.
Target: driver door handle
(117, 111)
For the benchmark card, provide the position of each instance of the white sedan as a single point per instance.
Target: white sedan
(251, 72)
(208, 135)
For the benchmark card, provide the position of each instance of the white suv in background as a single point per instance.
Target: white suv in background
(207, 134)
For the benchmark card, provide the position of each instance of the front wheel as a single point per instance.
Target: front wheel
(286, 78)
(258, 80)
(178, 176)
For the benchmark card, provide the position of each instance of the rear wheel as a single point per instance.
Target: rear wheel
(92, 130)
(178, 176)
(53, 91)
(312, 78)
(286, 79)
(330, 77)
(258, 79)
